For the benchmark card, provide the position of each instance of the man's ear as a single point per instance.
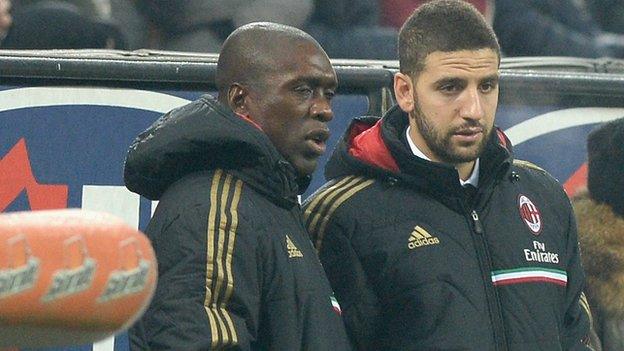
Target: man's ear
(237, 99)
(404, 91)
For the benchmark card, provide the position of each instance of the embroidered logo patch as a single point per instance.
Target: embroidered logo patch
(293, 251)
(530, 214)
(420, 237)
(539, 254)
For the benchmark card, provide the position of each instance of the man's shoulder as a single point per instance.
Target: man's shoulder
(532, 171)
(216, 192)
(538, 179)
(202, 187)
(340, 202)
(345, 192)
(527, 165)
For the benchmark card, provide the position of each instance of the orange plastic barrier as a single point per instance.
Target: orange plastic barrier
(70, 277)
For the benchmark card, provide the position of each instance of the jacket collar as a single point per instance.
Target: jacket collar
(374, 147)
(204, 135)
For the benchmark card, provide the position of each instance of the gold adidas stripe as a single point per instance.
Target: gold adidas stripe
(324, 205)
(312, 206)
(337, 204)
(238, 186)
(289, 244)
(415, 236)
(219, 256)
(419, 233)
(212, 315)
(222, 225)
(425, 234)
(527, 164)
(327, 195)
(585, 305)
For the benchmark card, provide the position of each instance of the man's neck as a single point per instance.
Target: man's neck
(465, 170)
(468, 172)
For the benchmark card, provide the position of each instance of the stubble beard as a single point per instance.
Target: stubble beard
(441, 144)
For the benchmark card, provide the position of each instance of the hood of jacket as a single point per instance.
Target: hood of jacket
(601, 238)
(378, 148)
(205, 135)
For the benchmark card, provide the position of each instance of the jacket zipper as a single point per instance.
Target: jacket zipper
(492, 298)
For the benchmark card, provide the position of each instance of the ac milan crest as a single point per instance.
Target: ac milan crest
(530, 214)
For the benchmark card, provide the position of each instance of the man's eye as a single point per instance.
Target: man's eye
(487, 87)
(449, 88)
(330, 94)
(304, 90)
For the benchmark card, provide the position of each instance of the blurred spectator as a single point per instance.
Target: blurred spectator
(202, 25)
(600, 215)
(133, 25)
(552, 28)
(5, 17)
(345, 29)
(59, 25)
(84, 6)
(395, 12)
(609, 14)
(350, 29)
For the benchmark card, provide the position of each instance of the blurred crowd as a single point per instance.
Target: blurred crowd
(364, 29)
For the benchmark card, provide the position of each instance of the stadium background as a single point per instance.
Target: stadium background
(68, 117)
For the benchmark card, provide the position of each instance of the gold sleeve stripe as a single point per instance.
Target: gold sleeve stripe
(585, 305)
(323, 193)
(212, 316)
(314, 214)
(527, 164)
(337, 204)
(222, 222)
(220, 240)
(331, 199)
(230, 250)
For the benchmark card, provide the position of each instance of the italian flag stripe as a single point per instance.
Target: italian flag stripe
(335, 305)
(529, 275)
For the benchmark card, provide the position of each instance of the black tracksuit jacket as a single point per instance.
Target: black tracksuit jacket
(236, 268)
(417, 263)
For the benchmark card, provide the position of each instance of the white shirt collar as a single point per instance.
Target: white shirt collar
(474, 176)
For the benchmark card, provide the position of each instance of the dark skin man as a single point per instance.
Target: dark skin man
(285, 87)
(236, 268)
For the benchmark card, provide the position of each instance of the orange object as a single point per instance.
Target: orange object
(70, 277)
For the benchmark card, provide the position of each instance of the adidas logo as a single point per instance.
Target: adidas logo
(421, 237)
(293, 251)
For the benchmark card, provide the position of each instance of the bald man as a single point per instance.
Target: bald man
(236, 267)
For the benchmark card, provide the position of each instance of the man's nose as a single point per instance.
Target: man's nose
(472, 105)
(321, 109)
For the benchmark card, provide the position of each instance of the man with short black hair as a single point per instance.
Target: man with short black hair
(432, 236)
(236, 267)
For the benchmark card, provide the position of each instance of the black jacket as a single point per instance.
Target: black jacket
(417, 263)
(236, 267)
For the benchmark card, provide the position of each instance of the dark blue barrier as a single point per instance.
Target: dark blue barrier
(67, 118)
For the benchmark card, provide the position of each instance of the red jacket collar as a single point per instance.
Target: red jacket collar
(367, 145)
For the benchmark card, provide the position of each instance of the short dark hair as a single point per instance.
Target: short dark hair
(249, 54)
(442, 25)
